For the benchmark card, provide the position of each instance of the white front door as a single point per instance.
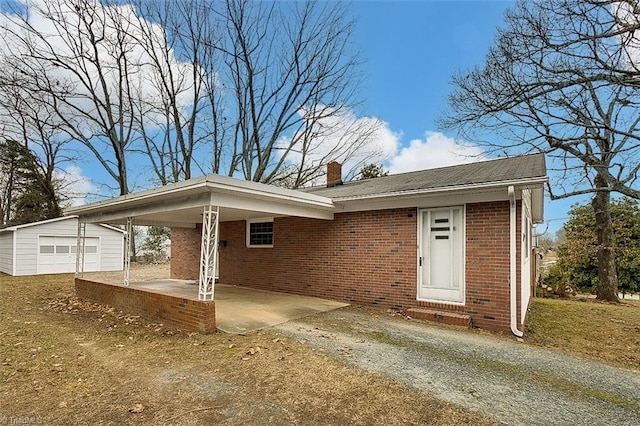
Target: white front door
(441, 255)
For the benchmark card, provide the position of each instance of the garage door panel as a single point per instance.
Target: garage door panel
(58, 255)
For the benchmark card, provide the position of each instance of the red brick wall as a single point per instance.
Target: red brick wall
(487, 264)
(186, 314)
(185, 253)
(370, 258)
(363, 258)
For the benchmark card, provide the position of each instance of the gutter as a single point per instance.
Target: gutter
(512, 262)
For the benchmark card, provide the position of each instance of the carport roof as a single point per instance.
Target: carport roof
(182, 203)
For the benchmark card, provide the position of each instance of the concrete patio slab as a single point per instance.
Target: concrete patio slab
(240, 309)
(185, 288)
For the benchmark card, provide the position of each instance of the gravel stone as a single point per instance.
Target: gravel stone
(509, 381)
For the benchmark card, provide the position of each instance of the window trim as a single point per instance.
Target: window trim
(248, 232)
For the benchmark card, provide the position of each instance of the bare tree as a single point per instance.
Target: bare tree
(183, 118)
(82, 67)
(265, 90)
(270, 87)
(563, 78)
(32, 140)
(291, 77)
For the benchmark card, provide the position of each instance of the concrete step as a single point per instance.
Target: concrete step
(442, 317)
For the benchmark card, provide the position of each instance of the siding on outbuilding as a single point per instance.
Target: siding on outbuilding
(6, 252)
(24, 241)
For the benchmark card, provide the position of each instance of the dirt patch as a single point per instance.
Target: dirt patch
(64, 361)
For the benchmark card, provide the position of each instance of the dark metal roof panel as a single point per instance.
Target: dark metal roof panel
(491, 171)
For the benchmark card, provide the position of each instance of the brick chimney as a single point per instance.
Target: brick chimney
(334, 174)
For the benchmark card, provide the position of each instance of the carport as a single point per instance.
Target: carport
(242, 309)
(197, 203)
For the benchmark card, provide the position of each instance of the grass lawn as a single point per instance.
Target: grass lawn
(64, 361)
(601, 331)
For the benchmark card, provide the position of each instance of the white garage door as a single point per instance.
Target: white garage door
(58, 254)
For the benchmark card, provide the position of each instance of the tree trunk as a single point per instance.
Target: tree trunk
(607, 275)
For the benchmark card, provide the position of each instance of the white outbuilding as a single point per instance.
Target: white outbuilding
(50, 246)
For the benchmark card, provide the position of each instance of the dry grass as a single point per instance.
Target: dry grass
(601, 331)
(63, 361)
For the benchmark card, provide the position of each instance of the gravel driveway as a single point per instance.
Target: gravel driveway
(511, 382)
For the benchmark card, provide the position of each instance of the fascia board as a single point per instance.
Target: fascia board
(429, 199)
(270, 206)
(225, 183)
(140, 198)
(291, 197)
(441, 190)
(537, 205)
(207, 184)
(42, 222)
(425, 200)
(116, 212)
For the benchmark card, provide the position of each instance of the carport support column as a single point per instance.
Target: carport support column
(127, 250)
(80, 239)
(208, 253)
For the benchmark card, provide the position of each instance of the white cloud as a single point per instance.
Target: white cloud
(121, 30)
(75, 186)
(627, 17)
(436, 150)
(383, 146)
(344, 137)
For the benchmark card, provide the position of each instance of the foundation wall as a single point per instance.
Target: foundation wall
(185, 314)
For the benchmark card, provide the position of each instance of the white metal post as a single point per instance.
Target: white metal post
(80, 239)
(127, 250)
(208, 253)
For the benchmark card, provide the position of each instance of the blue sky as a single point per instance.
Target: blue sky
(411, 49)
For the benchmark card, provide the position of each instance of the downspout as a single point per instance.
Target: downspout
(512, 262)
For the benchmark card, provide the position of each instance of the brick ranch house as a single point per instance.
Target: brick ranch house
(451, 244)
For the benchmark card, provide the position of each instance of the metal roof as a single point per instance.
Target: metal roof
(504, 170)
